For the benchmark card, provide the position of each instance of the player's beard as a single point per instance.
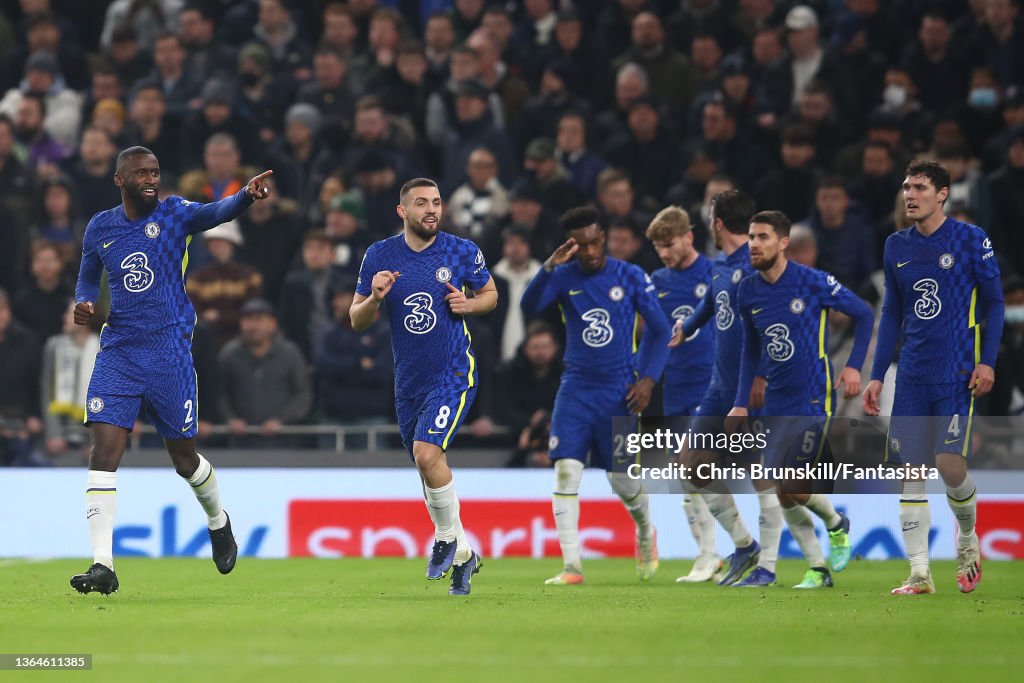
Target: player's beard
(422, 231)
(135, 195)
(763, 263)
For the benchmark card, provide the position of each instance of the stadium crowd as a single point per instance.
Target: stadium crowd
(520, 110)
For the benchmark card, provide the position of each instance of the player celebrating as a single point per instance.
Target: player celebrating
(784, 309)
(421, 274)
(145, 358)
(604, 376)
(682, 284)
(941, 277)
(730, 217)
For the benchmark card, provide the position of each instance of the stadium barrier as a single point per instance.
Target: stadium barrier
(356, 512)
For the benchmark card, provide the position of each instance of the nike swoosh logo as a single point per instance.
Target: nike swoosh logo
(953, 441)
(755, 311)
(107, 244)
(186, 428)
(714, 277)
(91, 515)
(900, 265)
(574, 292)
(431, 431)
(662, 295)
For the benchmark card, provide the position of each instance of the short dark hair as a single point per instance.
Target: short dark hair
(127, 154)
(580, 217)
(932, 170)
(317, 236)
(515, 232)
(878, 144)
(779, 221)
(832, 182)
(734, 208)
(411, 185)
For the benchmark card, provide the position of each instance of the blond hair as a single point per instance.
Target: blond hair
(670, 222)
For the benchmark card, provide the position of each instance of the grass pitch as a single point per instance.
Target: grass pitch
(379, 620)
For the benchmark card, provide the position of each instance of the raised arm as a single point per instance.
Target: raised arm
(207, 216)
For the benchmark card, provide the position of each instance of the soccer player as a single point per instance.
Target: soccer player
(682, 284)
(604, 376)
(419, 277)
(784, 309)
(941, 281)
(729, 219)
(145, 358)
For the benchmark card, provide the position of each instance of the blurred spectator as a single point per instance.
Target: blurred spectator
(647, 151)
(722, 141)
(999, 41)
(506, 83)
(700, 211)
(615, 199)
(806, 55)
(582, 165)
(44, 32)
(631, 82)
(815, 111)
(968, 186)
(539, 118)
(511, 274)
(527, 212)
(754, 15)
(467, 16)
(615, 22)
(271, 234)
(854, 71)
(803, 246)
(222, 175)
(264, 378)
(261, 98)
(574, 46)
(1013, 117)
(67, 363)
(344, 225)
(277, 30)
(438, 41)
(482, 201)
(125, 55)
(1009, 386)
(883, 127)
(534, 34)
(499, 27)
(340, 30)
(57, 221)
(1008, 204)
(552, 181)
(207, 57)
(706, 55)
(298, 159)
(473, 127)
(696, 19)
(330, 91)
(626, 243)
(378, 185)
(109, 115)
(900, 99)
(334, 185)
(404, 89)
(150, 125)
(180, 86)
(983, 114)
(149, 18)
(845, 238)
(791, 188)
(771, 72)
(387, 30)
(354, 369)
(937, 63)
(219, 289)
(376, 131)
(305, 303)
(19, 401)
(40, 303)
(15, 181)
(218, 113)
(105, 85)
(60, 108)
(877, 182)
(529, 383)
(673, 80)
(93, 170)
(442, 114)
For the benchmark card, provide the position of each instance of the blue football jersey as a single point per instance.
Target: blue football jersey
(932, 289)
(431, 344)
(679, 292)
(600, 311)
(789, 318)
(145, 262)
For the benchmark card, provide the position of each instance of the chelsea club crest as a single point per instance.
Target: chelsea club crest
(95, 404)
(946, 261)
(616, 293)
(152, 229)
(443, 274)
(797, 305)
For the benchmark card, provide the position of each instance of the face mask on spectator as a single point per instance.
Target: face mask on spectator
(895, 96)
(1014, 315)
(983, 98)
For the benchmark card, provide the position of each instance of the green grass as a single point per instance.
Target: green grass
(379, 620)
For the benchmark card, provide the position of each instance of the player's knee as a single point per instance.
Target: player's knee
(104, 457)
(787, 500)
(427, 456)
(953, 469)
